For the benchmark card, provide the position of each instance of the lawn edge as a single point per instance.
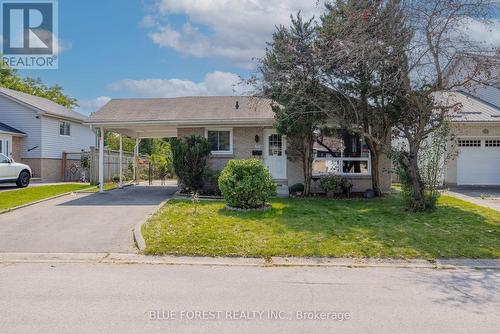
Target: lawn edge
(139, 241)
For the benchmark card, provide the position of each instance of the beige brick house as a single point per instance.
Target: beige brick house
(237, 128)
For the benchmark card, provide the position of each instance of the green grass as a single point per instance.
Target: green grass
(321, 227)
(13, 198)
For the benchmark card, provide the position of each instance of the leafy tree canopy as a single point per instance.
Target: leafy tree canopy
(9, 78)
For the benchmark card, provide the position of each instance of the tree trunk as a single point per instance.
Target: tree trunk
(307, 161)
(417, 186)
(375, 152)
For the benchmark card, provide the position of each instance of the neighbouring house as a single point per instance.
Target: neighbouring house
(475, 148)
(238, 128)
(37, 131)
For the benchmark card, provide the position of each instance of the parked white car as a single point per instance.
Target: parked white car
(11, 171)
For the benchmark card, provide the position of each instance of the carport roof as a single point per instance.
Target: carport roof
(195, 110)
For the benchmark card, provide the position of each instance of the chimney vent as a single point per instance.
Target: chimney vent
(237, 106)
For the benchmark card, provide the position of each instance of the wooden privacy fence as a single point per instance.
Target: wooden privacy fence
(111, 165)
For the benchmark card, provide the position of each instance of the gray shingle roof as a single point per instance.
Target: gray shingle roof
(43, 105)
(9, 129)
(473, 109)
(185, 110)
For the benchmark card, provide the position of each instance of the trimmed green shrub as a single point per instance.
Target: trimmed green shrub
(246, 184)
(330, 183)
(189, 159)
(297, 188)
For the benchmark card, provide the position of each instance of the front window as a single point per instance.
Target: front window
(275, 145)
(220, 140)
(65, 129)
(344, 154)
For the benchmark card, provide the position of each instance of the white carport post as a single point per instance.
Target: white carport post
(136, 157)
(121, 162)
(101, 160)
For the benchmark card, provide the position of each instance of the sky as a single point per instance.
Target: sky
(169, 48)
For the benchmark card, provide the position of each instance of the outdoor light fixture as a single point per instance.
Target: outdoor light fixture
(257, 138)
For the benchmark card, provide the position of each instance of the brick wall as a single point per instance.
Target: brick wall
(17, 146)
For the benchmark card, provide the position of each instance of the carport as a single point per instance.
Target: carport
(137, 130)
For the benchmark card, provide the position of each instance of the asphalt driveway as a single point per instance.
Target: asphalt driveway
(81, 223)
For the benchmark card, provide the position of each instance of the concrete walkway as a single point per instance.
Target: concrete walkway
(81, 223)
(482, 196)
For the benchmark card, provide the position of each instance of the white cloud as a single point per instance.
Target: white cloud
(214, 83)
(61, 46)
(88, 106)
(489, 34)
(236, 30)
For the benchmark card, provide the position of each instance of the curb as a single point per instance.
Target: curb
(121, 258)
(139, 241)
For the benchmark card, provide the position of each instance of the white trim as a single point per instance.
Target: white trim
(62, 135)
(230, 140)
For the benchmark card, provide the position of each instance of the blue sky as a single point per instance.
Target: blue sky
(163, 48)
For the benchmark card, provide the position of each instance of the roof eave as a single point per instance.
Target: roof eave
(38, 110)
(183, 123)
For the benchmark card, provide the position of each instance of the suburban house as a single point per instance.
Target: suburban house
(37, 131)
(237, 128)
(474, 152)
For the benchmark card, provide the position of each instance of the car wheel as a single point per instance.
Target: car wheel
(24, 179)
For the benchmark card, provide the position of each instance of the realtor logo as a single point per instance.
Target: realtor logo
(29, 30)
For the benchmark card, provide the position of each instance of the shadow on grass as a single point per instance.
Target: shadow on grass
(381, 227)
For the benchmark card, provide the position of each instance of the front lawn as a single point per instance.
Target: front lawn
(13, 198)
(321, 227)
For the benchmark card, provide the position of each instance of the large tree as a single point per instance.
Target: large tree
(290, 75)
(361, 47)
(439, 38)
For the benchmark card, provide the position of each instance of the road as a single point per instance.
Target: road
(112, 298)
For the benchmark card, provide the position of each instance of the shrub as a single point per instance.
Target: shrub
(115, 178)
(346, 185)
(297, 188)
(161, 166)
(189, 159)
(246, 184)
(330, 183)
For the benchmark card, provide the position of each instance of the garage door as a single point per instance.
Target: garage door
(478, 161)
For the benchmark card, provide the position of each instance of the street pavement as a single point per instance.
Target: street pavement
(139, 298)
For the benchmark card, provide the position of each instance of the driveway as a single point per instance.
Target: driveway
(81, 223)
(488, 197)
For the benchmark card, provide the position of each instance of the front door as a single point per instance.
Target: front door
(274, 154)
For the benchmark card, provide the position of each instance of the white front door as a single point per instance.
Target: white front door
(478, 161)
(5, 145)
(274, 154)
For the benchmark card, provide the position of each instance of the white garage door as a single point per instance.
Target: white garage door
(478, 161)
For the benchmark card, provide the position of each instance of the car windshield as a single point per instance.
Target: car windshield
(4, 159)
